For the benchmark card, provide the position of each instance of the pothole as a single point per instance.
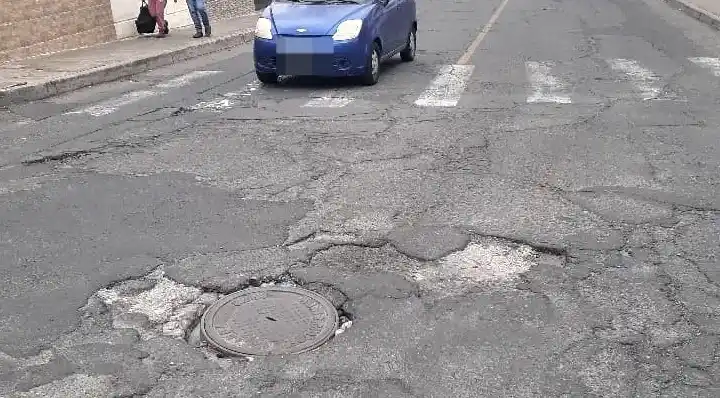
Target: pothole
(483, 261)
(156, 306)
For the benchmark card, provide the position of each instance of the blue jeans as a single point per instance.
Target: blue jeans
(198, 14)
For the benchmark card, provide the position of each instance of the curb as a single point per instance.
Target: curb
(696, 12)
(102, 75)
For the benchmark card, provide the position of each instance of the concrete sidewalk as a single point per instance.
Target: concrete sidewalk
(46, 76)
(706, 11)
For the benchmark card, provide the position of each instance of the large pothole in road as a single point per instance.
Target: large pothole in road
(483, 261)
(273, 317)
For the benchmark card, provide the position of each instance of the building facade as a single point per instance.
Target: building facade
(35, 27)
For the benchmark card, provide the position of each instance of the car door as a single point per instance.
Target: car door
(389, 23)
(407, 15)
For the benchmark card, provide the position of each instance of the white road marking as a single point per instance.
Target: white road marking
(248, 91)
(227, 100)
(481, 36)
(217, 105)
(24, 122)
(186, 79)
(709, 63)
(108, 107)
(447, 88)
(642, 78)
(329, 99)
(547, 88)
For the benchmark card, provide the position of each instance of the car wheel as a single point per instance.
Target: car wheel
(408, 54)
(267, 78)
(372, 67)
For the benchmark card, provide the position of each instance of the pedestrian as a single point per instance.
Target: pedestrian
(157, 10)
(200, 18)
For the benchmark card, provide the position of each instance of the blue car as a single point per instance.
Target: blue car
(333, 38)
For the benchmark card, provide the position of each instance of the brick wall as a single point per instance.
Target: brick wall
(30, 28)
(223, 9)
(35, 27)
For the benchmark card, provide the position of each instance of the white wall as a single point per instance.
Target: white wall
(125, 13)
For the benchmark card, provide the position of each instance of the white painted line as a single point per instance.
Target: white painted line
(217, 105)
(445, 90)
(642, 78)
(250, 88)
(709, 63)
(227, 100)
(547, 88)
(330, 99)
(111, 106)
(108, 107)
(481, 36)
(186, 79)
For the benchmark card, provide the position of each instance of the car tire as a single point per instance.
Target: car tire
(408, 54)
(267, 78)
(372, 67)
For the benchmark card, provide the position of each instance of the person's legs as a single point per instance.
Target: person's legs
(157, 10)
(191, 4)
(167, 25)
(202, 12)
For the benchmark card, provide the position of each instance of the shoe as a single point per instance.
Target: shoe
(208, 31)
(198, 34)
(167, 28)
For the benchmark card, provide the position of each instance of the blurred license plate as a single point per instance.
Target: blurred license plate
(303, 64)
(305, 45)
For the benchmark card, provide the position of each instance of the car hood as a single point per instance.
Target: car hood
(317, 19)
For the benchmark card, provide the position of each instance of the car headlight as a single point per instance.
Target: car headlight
(263, 29)
(348, 30)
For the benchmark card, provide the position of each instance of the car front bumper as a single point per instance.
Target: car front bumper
(315, 56)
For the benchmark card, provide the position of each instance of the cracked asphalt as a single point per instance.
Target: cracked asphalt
(495, 248)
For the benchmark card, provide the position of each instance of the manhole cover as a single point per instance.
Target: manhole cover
(269, 321)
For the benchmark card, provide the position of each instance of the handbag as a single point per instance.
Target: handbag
(145, 22)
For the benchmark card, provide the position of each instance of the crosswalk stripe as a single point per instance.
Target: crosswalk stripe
(216, 105)
(250, 88)
(328, 102)
(328, 99)
(110, 106)
(709, 63)
(447, 88)
(227, 100)
(186, 79)
(546, 87)
(642, 78)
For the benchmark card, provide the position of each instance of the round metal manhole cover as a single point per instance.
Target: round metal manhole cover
(269, 321)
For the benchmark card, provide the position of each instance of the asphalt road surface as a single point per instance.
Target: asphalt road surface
(530, 209)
